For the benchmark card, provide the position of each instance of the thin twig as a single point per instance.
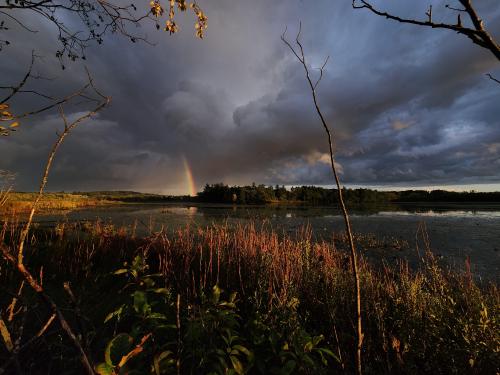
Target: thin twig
(299, 53)
(492, 78)
(478, 34)
(19, 262)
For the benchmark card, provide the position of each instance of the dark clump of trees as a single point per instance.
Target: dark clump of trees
(315, 195)
(262, 194)
(444, 196)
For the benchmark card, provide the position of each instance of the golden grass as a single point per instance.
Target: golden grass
(22, 202)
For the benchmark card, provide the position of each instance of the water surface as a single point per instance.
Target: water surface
(455, 231)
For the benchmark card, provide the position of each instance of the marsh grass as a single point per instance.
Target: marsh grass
(290, 291)
(17, 203)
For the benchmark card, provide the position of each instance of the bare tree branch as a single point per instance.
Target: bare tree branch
(299, 54)
(492, 78)
(18, 261)
(477, 34)
(15, 89)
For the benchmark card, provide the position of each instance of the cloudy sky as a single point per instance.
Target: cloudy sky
(409, 107)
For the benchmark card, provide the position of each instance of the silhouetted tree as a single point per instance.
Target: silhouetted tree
(298, 51)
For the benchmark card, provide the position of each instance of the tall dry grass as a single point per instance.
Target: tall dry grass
(425, 320)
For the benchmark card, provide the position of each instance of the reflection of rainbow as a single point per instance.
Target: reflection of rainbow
(189, 177)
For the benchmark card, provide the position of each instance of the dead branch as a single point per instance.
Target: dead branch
(477, 34)
(55, 102)
(492, 78)
(299, 54)
(18, 261)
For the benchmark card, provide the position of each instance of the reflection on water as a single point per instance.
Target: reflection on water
(445, 213)
(455, 231)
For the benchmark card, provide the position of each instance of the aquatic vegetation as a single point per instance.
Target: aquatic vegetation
(239, 299)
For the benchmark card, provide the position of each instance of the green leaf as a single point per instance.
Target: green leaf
(166, 326)
(118, 347)
(149, 282)
(164, 291)
(159, 316)
(120, 271)
(140, 302)
(244, 350)
(232, 297)
(215, 294)
(289, 367)
(161, 361)
(307, 358)
(117, 313)
(308, 346)
(104, 369)
(329, 353)
(138, 263)
(237, 365)
(317, 339)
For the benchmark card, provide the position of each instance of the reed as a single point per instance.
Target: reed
(425, 320)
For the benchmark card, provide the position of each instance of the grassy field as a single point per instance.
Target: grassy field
(22, 202)
(19, 202)
(237, 300)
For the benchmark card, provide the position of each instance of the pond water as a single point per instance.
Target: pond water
(455, 232)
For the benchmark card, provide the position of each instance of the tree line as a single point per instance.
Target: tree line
(315, 195)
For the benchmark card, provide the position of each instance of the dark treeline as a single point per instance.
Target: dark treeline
(135, 197)
(314, 195)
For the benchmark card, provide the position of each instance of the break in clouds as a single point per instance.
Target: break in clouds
(408, 106)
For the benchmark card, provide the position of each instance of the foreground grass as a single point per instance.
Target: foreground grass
(238, 300)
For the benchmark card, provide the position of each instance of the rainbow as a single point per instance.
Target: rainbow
(189, 177)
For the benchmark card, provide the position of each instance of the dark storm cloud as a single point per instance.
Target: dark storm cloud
(408, 105)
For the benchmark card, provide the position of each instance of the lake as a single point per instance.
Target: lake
(455, 232)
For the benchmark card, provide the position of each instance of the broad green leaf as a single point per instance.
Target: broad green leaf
(104, 369)
(308, 346)
(140, 302)
(215, 294)
(329, 353)
(162, 361)
(164, 291)
(117, 313)
(118, 347)
(244, 350)
(159, 316)
(237, 365)
(289, 367)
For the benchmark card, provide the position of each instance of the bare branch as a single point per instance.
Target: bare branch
(15, 89)
(492, 78)
(18, 261)
(478, 34)
(94, 19)
(18, 22)
(299, 53)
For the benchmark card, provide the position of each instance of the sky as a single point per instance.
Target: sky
(409, 107)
